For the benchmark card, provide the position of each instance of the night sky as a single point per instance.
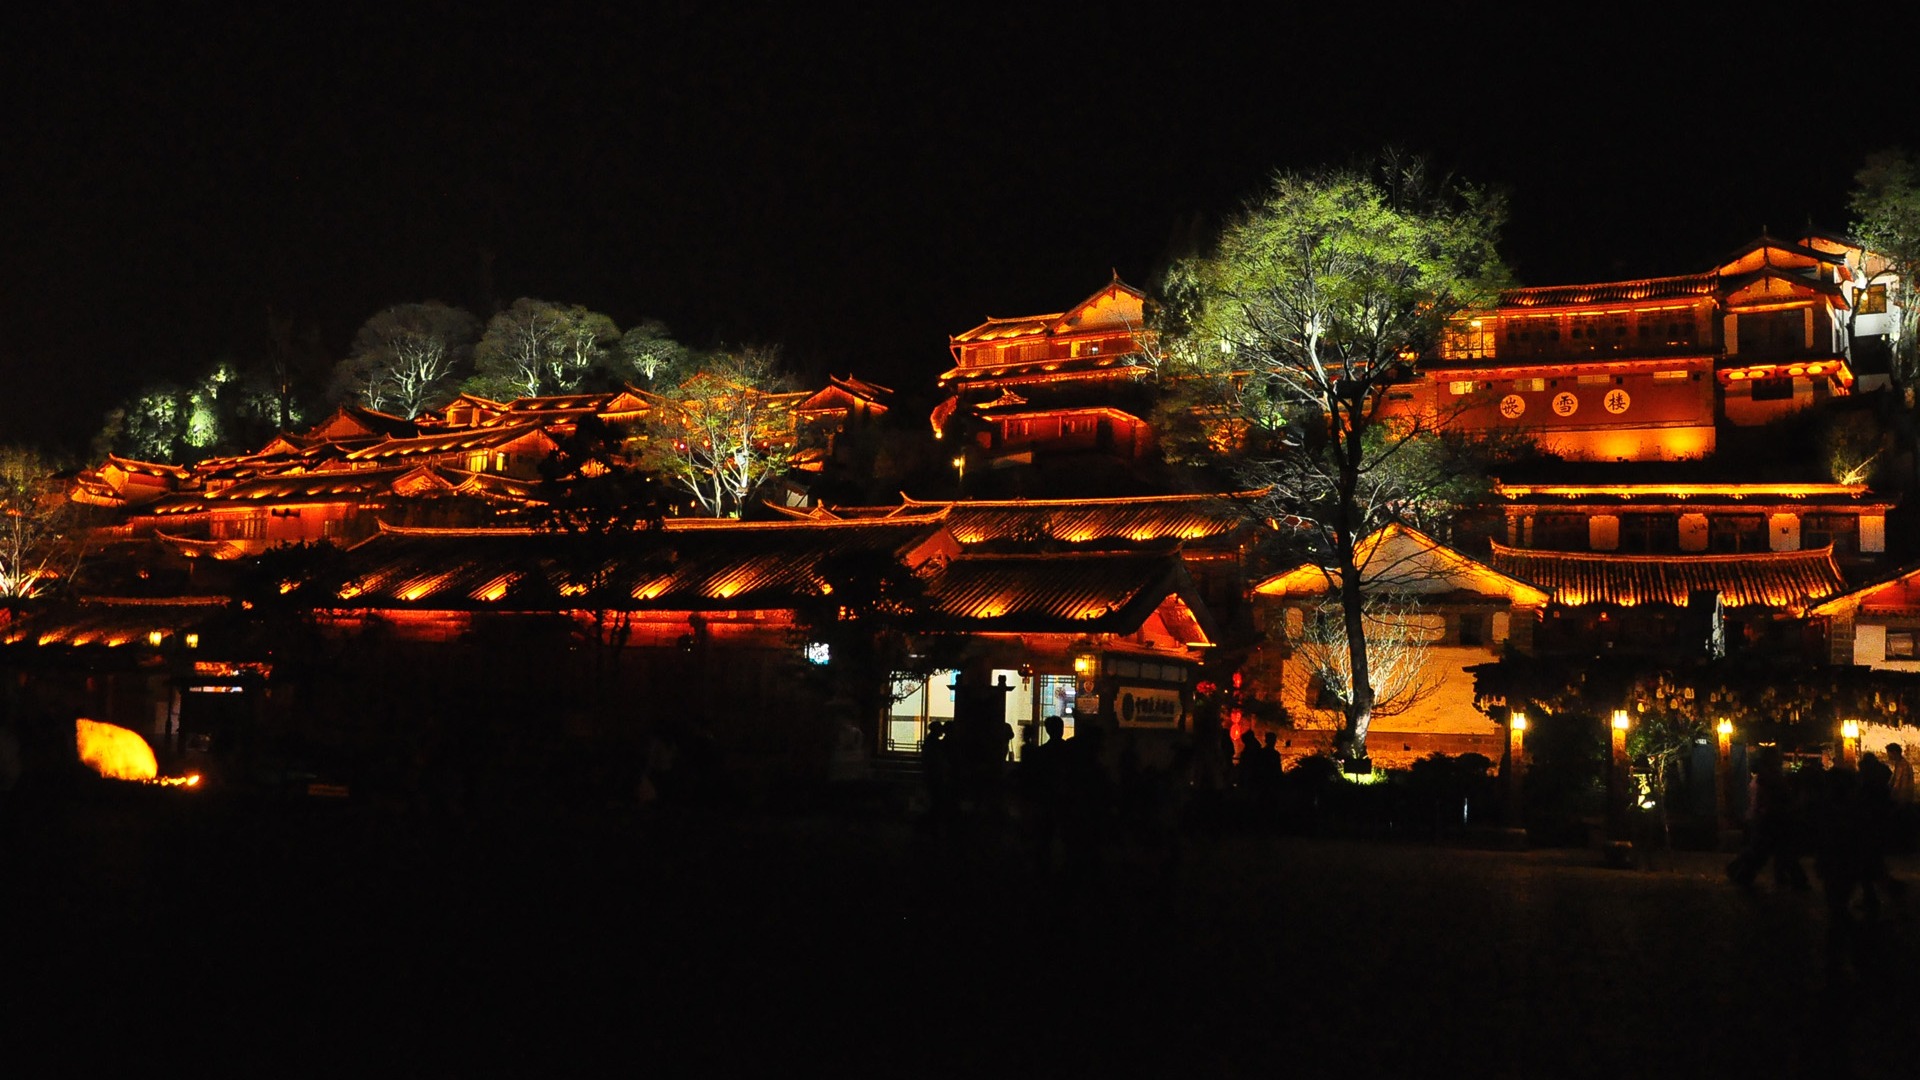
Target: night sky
(854, 186)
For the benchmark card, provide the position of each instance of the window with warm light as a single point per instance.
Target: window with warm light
(1469, 339)
(917, 703)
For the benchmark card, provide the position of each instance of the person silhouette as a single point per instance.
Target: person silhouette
(1900, 793)
(1772, 825)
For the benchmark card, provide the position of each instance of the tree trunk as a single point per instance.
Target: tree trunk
(1352, 743)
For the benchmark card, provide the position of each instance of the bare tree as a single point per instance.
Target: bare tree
(535, 348)
(36, 519)
(1399, 641)
(404, 358)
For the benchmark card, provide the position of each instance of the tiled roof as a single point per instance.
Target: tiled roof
(1090, 592)
(316, 487)
(998, 329)
(146, 468)
(112, 622)
(680, 567)
(1046, 370)
(1752, 497)
(1399, 559)
(1612, 292)
(1898, 592)
(1090, 521)
(1786, 580)
(457, 441)
(1835, 297)
(1005, 329)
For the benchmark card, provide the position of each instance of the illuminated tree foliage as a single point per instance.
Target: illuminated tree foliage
(536, 348)
(404, 359)
(723, 432)
(226, 410)
(35, 520)
(1886, 207)
(1312, 304)
(650, 356)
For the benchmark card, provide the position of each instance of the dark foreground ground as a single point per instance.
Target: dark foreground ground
(317, 937)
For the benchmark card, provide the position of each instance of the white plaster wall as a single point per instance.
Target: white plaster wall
(1783, 532)
(1870, 649)
(1447, 710)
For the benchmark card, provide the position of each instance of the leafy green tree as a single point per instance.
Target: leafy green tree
(1312, 304)
(591, 493)
(404, 359)
(537, 348)
(225, 410)
(723, 432)
(649, 354)
(864, 617)
(1886, 207)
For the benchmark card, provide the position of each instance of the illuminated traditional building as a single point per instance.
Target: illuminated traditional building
(1646, 370)
(843, 405)
(706, 618)
(1876, 625)
(472, 461)
(1038, 387)
(1685, 518)
(1444, 613)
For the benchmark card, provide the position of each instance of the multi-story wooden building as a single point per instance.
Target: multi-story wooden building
(1025, 390)
(1650, 369)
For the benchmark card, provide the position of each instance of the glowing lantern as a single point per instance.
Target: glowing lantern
(155, 637)
(113, 751)
(1086, 664)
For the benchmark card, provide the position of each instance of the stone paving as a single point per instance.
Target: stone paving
(314, 941)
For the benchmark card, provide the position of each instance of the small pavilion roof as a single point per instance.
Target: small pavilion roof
(1897, 593)
(1399, 559)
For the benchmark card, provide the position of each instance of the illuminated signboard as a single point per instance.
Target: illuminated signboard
(1146, 706)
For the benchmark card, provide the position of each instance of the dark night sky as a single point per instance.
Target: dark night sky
(854, 185)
